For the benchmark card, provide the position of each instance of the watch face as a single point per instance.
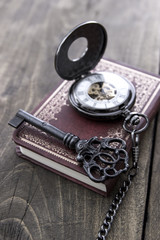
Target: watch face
(102, 94)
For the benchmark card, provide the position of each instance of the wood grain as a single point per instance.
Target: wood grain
(152, 230)
(35, 203)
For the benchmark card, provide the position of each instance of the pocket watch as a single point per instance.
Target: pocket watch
(99, 95)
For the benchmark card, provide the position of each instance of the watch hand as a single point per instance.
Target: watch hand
(101, 158)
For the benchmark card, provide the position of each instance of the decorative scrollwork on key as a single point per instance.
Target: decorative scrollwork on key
(102, 158)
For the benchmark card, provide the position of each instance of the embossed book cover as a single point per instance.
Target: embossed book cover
(45, 150)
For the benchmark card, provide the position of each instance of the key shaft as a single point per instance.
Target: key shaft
(22, 116)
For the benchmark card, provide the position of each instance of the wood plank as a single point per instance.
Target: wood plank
(152, 230)
(37, 204)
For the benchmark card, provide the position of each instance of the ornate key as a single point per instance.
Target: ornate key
(101, 158)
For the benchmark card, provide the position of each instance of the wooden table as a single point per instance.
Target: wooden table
(35, 203)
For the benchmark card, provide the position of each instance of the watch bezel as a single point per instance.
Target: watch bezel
(113, 113)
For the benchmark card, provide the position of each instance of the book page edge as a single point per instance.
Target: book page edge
(63, 169)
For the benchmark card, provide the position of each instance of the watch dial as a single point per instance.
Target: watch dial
(103, 92)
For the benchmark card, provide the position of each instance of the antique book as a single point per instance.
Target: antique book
(43, 149)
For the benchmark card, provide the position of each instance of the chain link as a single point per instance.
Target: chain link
(106, 225)
(110, 215)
